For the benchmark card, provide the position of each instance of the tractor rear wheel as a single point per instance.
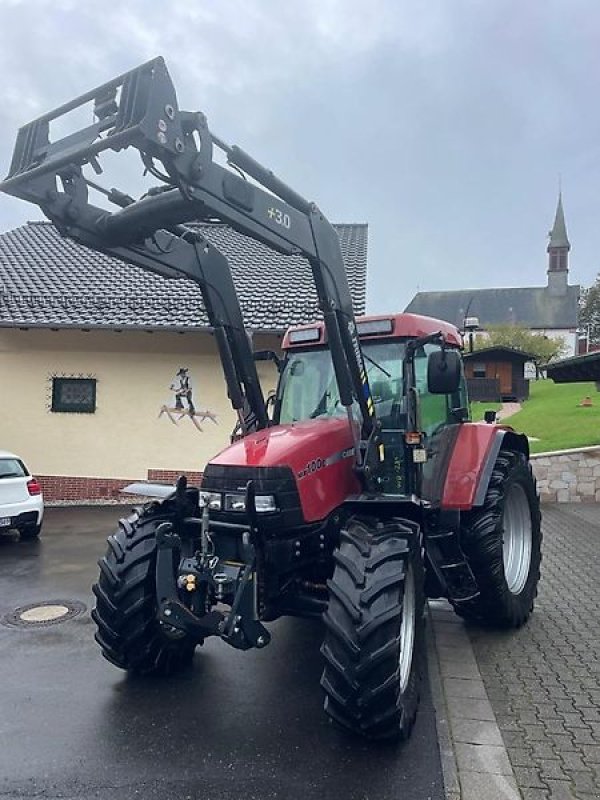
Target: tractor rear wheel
(502, 543)
(129, 633)
(374, 640)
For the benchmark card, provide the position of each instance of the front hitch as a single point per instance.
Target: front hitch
(237, 627)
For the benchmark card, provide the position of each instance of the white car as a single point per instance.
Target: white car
(21, 500)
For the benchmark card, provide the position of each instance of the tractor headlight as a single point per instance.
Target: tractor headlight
(237, 502)
(210, 499)
(265, 503)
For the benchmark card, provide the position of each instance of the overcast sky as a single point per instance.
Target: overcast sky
(444, 125)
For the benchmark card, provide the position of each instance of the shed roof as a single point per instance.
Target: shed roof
(507, 352)
(49, 281)
(575, 369)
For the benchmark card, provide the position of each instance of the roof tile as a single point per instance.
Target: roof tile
(50, 281)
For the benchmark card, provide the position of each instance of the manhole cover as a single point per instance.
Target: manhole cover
(40, 615)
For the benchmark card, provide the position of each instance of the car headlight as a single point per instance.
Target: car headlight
(210, 499)
(263, 502)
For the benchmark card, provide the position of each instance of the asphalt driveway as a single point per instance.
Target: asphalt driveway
(239, 725)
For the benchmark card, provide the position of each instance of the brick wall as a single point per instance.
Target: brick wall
(73, 489)
(171, 475)
(59, 488)
(568, 476)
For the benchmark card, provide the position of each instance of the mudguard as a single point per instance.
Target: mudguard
(470, 466)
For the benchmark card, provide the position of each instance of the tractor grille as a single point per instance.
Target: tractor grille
(277, 481)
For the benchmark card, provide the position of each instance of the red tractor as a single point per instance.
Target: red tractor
(361, 490)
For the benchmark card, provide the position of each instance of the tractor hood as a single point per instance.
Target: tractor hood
(319, 453)
(292, 445)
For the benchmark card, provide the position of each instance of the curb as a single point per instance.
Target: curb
(447, 758)
(475, 761)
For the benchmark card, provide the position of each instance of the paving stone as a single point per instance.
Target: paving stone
(574, 761)
(561, 790)
(459, 669)
(529, 778)
(551, 769)
(543, 681)
(475, 732)
(520, 756)
(470, 708)
(482, 758)
(477, 785)
(535, 794)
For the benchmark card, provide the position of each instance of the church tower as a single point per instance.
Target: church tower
(558, 253)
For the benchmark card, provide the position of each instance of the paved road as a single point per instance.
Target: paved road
(239, 725)
(544, 680)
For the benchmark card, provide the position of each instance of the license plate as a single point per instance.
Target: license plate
(4, 522)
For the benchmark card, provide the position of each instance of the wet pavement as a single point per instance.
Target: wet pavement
(238, 725)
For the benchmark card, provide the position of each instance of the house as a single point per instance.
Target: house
(550, 310)
(109, 373)
(496, 374)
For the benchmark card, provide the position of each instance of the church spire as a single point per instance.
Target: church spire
(558, 252)
(558, 234)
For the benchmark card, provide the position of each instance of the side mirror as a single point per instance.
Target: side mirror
(489, 417)
(268, 355)
(443, 372)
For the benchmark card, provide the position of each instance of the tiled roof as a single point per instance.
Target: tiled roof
(51, 282)
(530, 307)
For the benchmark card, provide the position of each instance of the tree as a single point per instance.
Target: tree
(589, 312)
(542, 348)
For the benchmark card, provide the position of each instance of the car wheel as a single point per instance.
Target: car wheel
(29, 532)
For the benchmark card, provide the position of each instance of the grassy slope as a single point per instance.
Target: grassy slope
(553, 415)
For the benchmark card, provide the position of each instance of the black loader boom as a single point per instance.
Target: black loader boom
(139, 109)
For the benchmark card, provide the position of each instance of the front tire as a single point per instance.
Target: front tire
(129, 633)
(502, 543)
(374, 640)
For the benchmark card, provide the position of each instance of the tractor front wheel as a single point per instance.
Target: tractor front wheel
(502, 543)
(374, 640)
(129, 633)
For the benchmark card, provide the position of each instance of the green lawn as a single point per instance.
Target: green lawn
(553, 415)
(479, 409)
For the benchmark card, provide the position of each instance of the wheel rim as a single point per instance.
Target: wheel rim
(516, 543)
(407, 629)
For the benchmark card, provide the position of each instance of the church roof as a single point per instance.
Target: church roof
(528, 306)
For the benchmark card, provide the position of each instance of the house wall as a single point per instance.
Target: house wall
(124, 439)
(569, 337)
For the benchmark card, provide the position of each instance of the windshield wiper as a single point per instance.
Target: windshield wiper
(375, 364)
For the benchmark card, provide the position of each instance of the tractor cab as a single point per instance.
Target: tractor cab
(408, 403)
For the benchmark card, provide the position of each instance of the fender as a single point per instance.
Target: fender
(472, 461)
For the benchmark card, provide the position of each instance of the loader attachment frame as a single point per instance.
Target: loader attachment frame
(139, 109)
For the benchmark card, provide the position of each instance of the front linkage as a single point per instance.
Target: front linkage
(186, 596)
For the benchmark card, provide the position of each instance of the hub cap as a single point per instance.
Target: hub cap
(516, 544)
(407, 629)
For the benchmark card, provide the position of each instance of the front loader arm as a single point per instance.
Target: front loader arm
(139, 109)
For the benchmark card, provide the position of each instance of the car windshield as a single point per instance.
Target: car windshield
(308, 387)
(12, 468)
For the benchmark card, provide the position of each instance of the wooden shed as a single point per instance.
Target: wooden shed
(497, 373)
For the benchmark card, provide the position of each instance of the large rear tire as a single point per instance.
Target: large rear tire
(129, 633)
(374, 638)
(502, 543)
